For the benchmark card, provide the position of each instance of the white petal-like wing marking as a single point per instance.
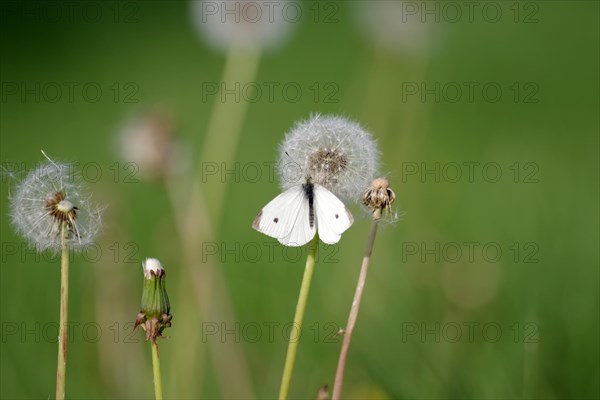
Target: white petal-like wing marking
(286, 218)
(332, 216)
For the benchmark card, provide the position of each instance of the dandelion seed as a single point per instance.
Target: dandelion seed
(335, 152)
(49, 196)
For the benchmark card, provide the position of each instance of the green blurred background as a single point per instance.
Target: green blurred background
(433, 324)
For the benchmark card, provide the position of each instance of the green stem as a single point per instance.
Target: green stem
(290, 357)
(196, 225)
(225, 126)
(156, 371)
(362, 279)
(61, 368)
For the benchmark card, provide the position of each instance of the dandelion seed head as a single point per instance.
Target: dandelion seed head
(49, 196)
(335, 152)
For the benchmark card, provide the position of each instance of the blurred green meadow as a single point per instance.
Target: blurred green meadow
(486, 114)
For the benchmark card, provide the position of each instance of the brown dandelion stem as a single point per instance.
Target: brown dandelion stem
(158, 394)
(362, 279)
(61, 368)
(292, 349)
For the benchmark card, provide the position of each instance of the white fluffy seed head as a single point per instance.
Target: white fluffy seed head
(333, 151)
(49, 196)
(260, 24)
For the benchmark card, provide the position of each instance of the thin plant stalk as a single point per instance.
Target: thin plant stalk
(292, 349)
(225, 123)
(197, 225)
(61, 368)
(378, 102)
(364, 269)
(158, 395)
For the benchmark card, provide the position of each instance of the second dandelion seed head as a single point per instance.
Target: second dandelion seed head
(52, 197)
(333, 151)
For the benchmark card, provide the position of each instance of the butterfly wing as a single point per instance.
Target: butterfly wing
(286, 218)
(332, 216)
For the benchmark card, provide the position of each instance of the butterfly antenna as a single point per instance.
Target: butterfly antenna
(291, 158)
(294, 161)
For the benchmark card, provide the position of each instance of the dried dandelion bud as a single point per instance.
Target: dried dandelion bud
(52, 195)
(155, 314)
(379, 196)
(333, 151)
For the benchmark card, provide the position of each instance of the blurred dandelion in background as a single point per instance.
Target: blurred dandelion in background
(404, 36)
(399, 27)
(262, 24)
(242, 30)
(149, 141)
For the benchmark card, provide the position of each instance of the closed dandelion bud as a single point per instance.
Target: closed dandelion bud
(155, 314)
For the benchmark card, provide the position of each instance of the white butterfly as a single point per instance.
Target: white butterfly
(295, 215)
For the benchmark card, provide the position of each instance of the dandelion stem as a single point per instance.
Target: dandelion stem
(196, 225)
(156, 371)
(362, 278)
(226, 122)
(290, 357)
(61, 368)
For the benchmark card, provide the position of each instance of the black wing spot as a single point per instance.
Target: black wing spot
(336, 216)
(276, 220)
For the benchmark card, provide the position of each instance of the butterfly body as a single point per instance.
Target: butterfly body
(295, 216)
(309, 192)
